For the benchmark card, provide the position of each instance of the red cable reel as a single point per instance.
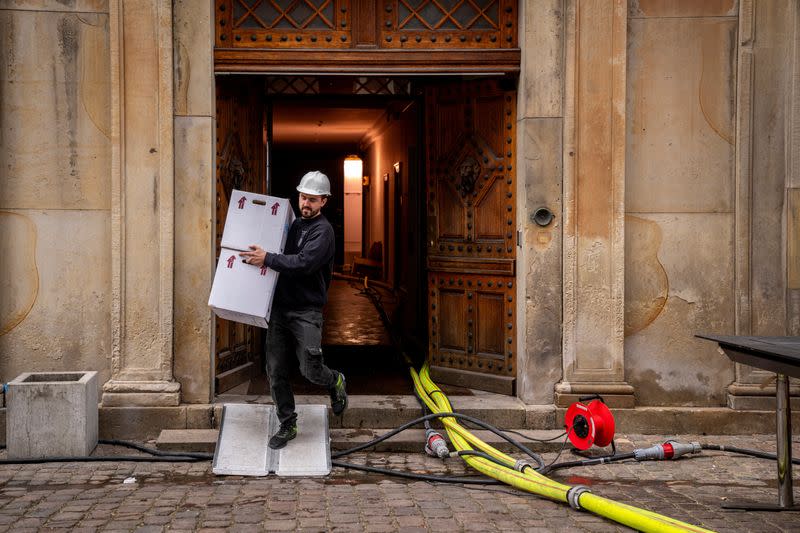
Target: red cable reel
(588, 425)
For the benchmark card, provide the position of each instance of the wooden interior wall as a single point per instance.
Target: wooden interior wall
(397, 143)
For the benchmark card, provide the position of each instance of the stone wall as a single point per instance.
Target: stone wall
(55, 158)
(706, 155)
(712, 94)
(679, 199)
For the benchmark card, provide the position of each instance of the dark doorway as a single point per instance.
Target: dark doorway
(303, 132)
(435, 238)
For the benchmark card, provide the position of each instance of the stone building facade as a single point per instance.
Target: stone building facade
(664, 136)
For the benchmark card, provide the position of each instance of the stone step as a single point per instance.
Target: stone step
(375, 411)
(410, 440)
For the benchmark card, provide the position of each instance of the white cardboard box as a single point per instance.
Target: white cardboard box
(241, 292)
(256, 219)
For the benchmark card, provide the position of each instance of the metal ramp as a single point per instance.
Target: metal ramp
(242, 443)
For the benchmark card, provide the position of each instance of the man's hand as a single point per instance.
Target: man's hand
(255, 257)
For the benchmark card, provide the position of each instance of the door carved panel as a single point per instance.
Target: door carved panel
(471, 231)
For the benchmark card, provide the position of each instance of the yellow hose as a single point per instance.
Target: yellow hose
(530, 480)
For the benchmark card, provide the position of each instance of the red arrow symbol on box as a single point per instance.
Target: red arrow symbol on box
(274, 208)
(231, 261)
(241, 202)
(263, 271)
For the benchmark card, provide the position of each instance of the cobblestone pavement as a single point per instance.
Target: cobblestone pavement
(188, 497)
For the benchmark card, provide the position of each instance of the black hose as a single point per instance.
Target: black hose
(156, 456)
(744, 451)
(586, 462)
(91, 459)
(423, 477)
(536, 457)
(151, 451)
(624, 456)
(524, 436)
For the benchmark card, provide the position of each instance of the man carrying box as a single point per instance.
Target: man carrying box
(306, 266)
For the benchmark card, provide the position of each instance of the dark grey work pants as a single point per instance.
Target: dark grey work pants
(294, 335)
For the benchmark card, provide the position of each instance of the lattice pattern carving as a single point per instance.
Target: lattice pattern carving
(397, 86)
(293, 85)
(341, 85)
(426, 24)
(450, 24)
(436, 15)
(283, 23)
(295, 15)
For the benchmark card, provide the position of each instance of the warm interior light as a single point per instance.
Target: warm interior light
(353, 171)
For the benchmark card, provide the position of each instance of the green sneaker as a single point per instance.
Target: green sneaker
(338, 395)
(287, 432)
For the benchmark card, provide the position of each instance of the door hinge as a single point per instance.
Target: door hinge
(519, 238)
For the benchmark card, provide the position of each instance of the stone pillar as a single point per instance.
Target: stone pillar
(594, 201)
(540, 130)
(195, 196)
(767, 187)
(142, 205)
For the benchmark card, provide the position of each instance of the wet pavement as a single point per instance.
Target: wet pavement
(351, 318)
(168, 496)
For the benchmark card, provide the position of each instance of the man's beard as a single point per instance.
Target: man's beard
(307, 212)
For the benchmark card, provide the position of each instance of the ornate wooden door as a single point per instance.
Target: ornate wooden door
(241, 164)
(470, 132)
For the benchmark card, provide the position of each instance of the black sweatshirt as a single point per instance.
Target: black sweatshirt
(305, 265)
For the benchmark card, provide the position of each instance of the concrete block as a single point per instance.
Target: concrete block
(52, 415)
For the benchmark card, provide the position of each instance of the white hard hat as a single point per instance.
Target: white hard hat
(316, 183)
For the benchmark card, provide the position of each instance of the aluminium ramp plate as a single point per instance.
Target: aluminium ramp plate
(242, 443)
(309, 454)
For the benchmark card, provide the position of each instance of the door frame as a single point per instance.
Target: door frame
(420, 211)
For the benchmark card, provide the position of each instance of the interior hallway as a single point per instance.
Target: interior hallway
(356, 342)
